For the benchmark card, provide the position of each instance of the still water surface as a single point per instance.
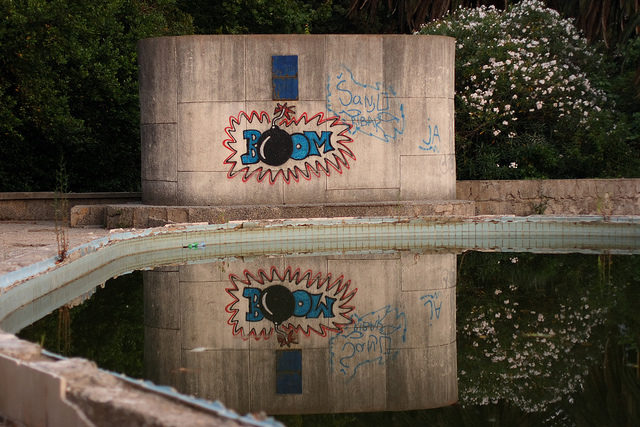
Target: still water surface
(522, 338)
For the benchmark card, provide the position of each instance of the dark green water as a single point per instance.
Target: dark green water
(542, 340)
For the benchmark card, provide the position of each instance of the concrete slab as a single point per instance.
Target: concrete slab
(23, 243)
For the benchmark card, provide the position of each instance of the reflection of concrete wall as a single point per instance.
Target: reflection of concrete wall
(396, 92)
(399, 353)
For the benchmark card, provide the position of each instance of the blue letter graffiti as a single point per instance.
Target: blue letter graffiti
(431, 144)
(369, 339)
(305, 144)
(434, 304)
(365, 106)
(307, 305)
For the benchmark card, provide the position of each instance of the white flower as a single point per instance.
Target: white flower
(539, 105)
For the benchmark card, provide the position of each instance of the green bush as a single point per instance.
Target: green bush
(69, 90)
(531, 99)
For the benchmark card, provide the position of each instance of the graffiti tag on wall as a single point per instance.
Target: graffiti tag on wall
(370, 339)
(269, 302)
(433, 303)
(286, 146)
(433, 138)
(367, 107)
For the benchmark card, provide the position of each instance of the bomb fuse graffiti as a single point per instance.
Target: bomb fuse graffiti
(290, 148)
(371, 338)
(269, 302)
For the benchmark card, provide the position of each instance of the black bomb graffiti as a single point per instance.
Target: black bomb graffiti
(269, 302)
(291, 148)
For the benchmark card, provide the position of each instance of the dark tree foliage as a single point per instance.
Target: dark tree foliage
(275, 16)
(69, 90)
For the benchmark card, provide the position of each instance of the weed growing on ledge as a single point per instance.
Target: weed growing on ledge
(61, 211)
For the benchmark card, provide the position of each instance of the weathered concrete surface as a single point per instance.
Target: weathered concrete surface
(26, 242)
(516, 197)
(36, 390)
(553, 197)
(142, 216)
(399, 353)
(27, 206)
(197, 95)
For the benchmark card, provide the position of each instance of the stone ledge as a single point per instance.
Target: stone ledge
(40, 205)
(143, 216)
(553, 196)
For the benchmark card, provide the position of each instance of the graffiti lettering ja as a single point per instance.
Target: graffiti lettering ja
(269, 302)
(433, 304)
(370, 339)
(433, 138)
(290, 147)
(367, 107)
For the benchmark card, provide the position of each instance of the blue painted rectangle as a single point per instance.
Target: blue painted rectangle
(284, 73)
(289, 372)
(285, 65)
(285, 89)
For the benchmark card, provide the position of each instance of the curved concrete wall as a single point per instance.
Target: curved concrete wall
(372, 119)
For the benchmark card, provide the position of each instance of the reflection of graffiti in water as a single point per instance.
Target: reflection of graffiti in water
(289, 147)
(370, 339)
(366, 107)
(433, 304)
(268, 302)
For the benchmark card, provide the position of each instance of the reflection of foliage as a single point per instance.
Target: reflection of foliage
(530, 330)
(107, 329)
(531, 326)
(611, 393)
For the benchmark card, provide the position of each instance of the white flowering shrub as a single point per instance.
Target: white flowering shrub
(526, 100)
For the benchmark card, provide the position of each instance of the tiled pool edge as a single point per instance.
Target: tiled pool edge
(249, 238)
(277, 236)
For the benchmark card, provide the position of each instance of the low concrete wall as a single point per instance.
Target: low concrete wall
(143, 216)
(553, 197)
(524, 197)
(41, 205)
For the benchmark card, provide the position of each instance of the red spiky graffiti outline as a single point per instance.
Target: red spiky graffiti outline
(339, 288)
(338, 160)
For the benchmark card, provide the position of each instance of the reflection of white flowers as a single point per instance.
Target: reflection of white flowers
(529, 348)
